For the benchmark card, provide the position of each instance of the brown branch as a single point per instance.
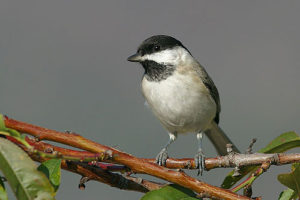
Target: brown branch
(102, 175)
(228, 161)
(136, 164)
(63, 153)
(100, 172)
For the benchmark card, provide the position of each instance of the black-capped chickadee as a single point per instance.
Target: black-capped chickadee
(180, 93)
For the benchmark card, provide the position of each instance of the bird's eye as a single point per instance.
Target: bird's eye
(156, 48)
(141, 52)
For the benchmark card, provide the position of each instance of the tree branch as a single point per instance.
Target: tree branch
(229, 161)
(103, 176)
(135, 164)
(100, 172)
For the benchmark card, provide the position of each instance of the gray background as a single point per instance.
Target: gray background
(63, 66)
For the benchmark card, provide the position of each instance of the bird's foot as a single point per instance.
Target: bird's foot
(200, 162)
(162, 157)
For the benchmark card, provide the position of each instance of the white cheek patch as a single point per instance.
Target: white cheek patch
(169, 56)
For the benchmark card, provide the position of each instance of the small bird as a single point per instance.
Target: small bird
(180, 93)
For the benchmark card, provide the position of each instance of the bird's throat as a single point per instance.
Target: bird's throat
(157, 72)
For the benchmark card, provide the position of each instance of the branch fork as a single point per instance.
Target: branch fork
(103, 172)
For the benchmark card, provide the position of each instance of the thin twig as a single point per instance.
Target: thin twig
(46, 150)
(252, 177)
(249, 150)
(103, 176)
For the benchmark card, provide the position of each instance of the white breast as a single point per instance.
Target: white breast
(181, 102)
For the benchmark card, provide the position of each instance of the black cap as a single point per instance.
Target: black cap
(157, 43)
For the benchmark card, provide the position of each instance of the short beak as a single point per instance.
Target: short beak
(135, 58)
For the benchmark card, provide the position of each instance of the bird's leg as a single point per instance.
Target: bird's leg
(200, 157)
(162, 157)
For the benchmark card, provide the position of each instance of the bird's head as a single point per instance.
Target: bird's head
(161, 49)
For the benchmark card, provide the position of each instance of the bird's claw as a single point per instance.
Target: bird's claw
(162, 157)
(200, 162)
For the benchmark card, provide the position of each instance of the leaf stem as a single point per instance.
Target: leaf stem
(252, 177)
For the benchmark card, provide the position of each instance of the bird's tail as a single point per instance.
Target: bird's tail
(219, 139)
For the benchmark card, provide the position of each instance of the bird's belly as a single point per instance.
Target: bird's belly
(180, 103)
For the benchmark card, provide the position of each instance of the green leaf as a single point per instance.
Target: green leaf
(282, 143)
(51, 168)
(170, 192)
(13, 133)
(3, 195)
(2, 124)
(292, 180)
(287, 194)
(20, 171)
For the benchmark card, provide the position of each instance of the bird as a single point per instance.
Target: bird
(181, 95)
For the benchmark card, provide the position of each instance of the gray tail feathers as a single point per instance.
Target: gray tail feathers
(219, 139)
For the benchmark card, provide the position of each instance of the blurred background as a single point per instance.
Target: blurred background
(63, 66)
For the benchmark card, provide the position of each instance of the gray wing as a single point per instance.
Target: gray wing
(208, 82)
